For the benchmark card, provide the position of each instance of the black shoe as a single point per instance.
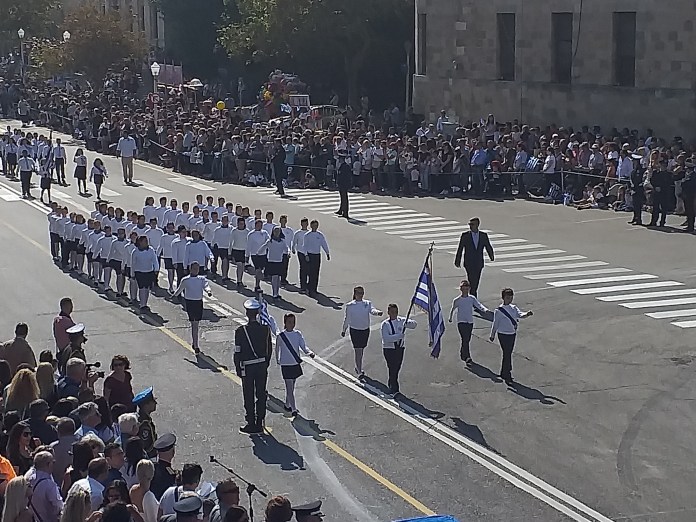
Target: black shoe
(362, 377)
(651, 224)
(248, 428)
(508, 380)
(469, 361)
(196, 350)
(339, 213)
(287, 408)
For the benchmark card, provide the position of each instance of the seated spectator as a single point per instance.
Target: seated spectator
(82, 455)
(21, 392)
(45, 378)
(115, 458)
(227, 493)
(117, 385)
(62, 448)
(17, 497)
(97, 471)
(46, 502)
(140, 493)
(89, 419)
(19, 447)
(128, 425)
(190, 478)
(78, 507)
(17, 351)
(38, 412)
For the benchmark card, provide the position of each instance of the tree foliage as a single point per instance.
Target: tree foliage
(34, 16)
(98, 41)
(324, 35)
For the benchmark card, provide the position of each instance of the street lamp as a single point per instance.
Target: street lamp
(66, 36)
(155, 70)
(20, 33)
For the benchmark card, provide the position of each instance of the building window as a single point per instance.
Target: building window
(562, 38)
(625, 49)
(422, 44)
(506, 46)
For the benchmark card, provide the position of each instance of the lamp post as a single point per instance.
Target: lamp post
(155, 70)
(20, 33)
(408, 46)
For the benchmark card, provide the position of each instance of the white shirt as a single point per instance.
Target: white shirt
(625, 168)
(283, 355)
(154, 238)
(91, 486)
(298, 241)
(197, 252)
(144, 260)
(94, 238)
(118, 250)
(502, 324)
(268, 227)
(130, 248)
(127, 147)
(549, 164)
(464, 305)
(195, 223)
(315, 242)
(159, 215)
(182, 219)
(358, 315)
(103, 248)
(81, 161)
(169, 216)
(149, 211)
(256, 239)
(58, 152)
(222, 236)
(274, 250)
(193, 287)
(178, 249)
(289, 234)
(166, 245)
(150, 507)
(209, 230)
(396, 326)
(117, 223)
(238, 239)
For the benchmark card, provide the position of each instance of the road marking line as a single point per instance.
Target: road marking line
(531, 254)
(419, 225)
(519, 247)
(580, 273)
(488, 459)
(533, 261)
(598, 280)
(60, 194)
(672, 314)
(621, 288)
(363, 205)
(555, 267)
(27, 238)
(647, 295)
(110, 193)
(685, 324)
(219, 309)
(10, 197)
(151, 188)
(416, 217)
(190, 183)
(666, 302)
(507, 241)
(380, 212)
(454, 231)
(38, 206)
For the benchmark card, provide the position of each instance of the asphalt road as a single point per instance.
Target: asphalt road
(598, 428)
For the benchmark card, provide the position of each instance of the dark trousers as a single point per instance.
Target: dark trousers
(55, 244)
(304, 271)
(254, 392)
(278, 173)
(60, 169)
(313, 267)
(181, 272)
(689, 210)
(286, 263)
(473, 274)
(65, 252)
(394, 358)
(638, 200)
(465, 330)
(659, 209)
(507, 344)
(343, 209)
(25, 178)
(216, 257)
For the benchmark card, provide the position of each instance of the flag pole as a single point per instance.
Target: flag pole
(427, 258)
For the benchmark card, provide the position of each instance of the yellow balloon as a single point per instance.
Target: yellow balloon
(220, 105)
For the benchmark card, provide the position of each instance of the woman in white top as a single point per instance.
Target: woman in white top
(275, 248)
(97, 175)
(238, 247)
(140, 494)
(45, 183)
(357, 322)
(145, 267)
(80, 171)
(193, 286)
(127, 271)
(289, 344)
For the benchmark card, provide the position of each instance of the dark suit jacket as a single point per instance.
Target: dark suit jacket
(473, 256)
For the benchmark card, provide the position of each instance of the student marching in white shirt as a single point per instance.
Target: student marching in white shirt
(208, 234)
(289, 234)
(290, 343)
(221, 238)
(256, 239)
(79, 234)
(197, 251)
(298, 247)
(314, 243)
(357, 322)
(170, 215)
(92, 249)
(149, 210)
(160, 212)
(393, 330)
(275, 248)
(145, 267)
(182, 217)
(464, 305)
(193, 286)
(178, 250)
(128, 272)
(166, 252)
(269, 225)
(238, 249)
(102, 251)
(116, 261)
(154, 236)
(97, 175)
(505, 321)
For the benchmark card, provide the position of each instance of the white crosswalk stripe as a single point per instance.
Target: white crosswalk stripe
(110, 193)
(379, 212)
(10, 197)
(396, 220)
(579, 273)
(673, 314)
(666, 302)
(150, 187)
(531, 254)
(363, 205)
(452, 232)
(497, 242)
(60, 194)
(534, 261)
(518, 247)
(566, 266)
(187, 182)
(598, 280)
(419, 225)
(622, 288)
(685, 324)
(647, 295)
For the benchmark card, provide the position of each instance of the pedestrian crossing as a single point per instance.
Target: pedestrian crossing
(631, 290)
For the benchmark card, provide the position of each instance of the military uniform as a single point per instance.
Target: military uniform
(146, 430)
(165, 475)
(252, 355)
(309, 512)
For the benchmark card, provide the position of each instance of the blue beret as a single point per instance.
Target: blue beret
(145, 395)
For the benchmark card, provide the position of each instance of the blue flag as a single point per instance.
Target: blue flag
(266, 318)
(426, 299)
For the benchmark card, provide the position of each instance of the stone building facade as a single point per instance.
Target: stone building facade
(624, 63)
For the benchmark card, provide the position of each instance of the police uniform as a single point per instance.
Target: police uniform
(309, 512)
(146, 429)
(165, 475)
(185, 509)
(252, 355)
(74, 349)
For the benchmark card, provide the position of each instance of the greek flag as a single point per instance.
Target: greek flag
(426, 299)
(266, 318)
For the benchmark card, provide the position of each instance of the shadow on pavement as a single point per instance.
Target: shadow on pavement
(472, 432)
(270, 451)
(533, 394)
(483, 372)
(309, 428)
(325, 300)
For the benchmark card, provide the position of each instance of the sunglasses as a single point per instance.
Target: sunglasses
(26, 434)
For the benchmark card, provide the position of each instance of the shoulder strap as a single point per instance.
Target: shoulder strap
(290, 347)
(505, 312)
(31, 503)
(251, 346)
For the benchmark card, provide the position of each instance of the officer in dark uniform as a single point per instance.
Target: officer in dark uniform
(165, 475)
(637, 190)
(344, 180)
(74, 349)
(147, 404)
(661, 180)
(186, 510)
(689, 196)
(252, 355)
(309, 512)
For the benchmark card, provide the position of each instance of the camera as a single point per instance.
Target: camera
(96, 365)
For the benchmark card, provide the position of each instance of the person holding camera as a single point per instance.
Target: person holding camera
(76, 379)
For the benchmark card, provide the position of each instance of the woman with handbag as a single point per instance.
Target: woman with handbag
(289, 344)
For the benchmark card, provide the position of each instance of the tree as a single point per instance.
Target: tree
(97, 42)
(34, 16)
(318, 34)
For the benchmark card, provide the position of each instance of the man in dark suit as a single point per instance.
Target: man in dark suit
(344, 180)
(472, 244)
